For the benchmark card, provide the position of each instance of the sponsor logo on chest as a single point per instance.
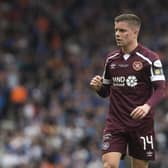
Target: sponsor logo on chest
(130, 81)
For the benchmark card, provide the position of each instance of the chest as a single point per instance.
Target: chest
(130, 72)
(131, 66)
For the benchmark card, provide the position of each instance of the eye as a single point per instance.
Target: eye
(120, 30)
(123, 30)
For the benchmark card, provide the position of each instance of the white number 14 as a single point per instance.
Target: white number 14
(147, 140)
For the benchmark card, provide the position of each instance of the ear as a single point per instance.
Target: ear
(137, 29)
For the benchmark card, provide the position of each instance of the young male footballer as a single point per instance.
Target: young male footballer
(133, 79)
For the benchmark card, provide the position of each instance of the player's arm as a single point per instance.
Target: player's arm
(158, 94)
(102, 84)
(97, 85)
(159, 86)
(158, 83)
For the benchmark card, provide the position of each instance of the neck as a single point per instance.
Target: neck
(129, 48)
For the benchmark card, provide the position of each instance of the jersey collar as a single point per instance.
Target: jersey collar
(127, 55)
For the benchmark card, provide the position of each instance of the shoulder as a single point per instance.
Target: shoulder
(147, 54)
(112, 55)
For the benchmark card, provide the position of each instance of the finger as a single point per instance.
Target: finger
(140, 115)
(95, 83)
(92, 82)
(137, 113)
(98, 79)
(143, 115)
(133, 112)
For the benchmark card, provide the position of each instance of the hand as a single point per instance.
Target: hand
(96, 83)
(140, 111)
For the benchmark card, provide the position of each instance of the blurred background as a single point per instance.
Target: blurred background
(49, 51)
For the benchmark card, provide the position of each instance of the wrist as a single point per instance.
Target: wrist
(147, 106)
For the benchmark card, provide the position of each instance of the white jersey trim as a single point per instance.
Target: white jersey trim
(157, 78)
(107, 81)
(145, 58)
(114, 55)
(153, 77)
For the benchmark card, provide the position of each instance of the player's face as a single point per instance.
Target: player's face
(125, 34)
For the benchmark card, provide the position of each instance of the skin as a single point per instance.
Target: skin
(126, 35)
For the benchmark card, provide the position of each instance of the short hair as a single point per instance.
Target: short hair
(131, 18)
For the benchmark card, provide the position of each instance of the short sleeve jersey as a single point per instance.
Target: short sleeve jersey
(131, 77)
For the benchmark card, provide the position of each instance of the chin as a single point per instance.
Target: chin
(119, 45)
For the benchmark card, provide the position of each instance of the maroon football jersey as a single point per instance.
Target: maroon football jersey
(130, 80)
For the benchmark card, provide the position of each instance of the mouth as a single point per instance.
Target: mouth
(118, 40)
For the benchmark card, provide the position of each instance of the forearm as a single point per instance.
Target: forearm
(158, 94)
(104, 91)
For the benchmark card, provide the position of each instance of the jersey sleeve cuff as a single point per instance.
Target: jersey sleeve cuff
(107, 81)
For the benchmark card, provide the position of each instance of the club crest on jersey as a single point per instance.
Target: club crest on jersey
(137, 65)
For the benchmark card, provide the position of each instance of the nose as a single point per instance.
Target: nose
(117, 33)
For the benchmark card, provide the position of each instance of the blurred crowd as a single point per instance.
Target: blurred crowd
(49, 51)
